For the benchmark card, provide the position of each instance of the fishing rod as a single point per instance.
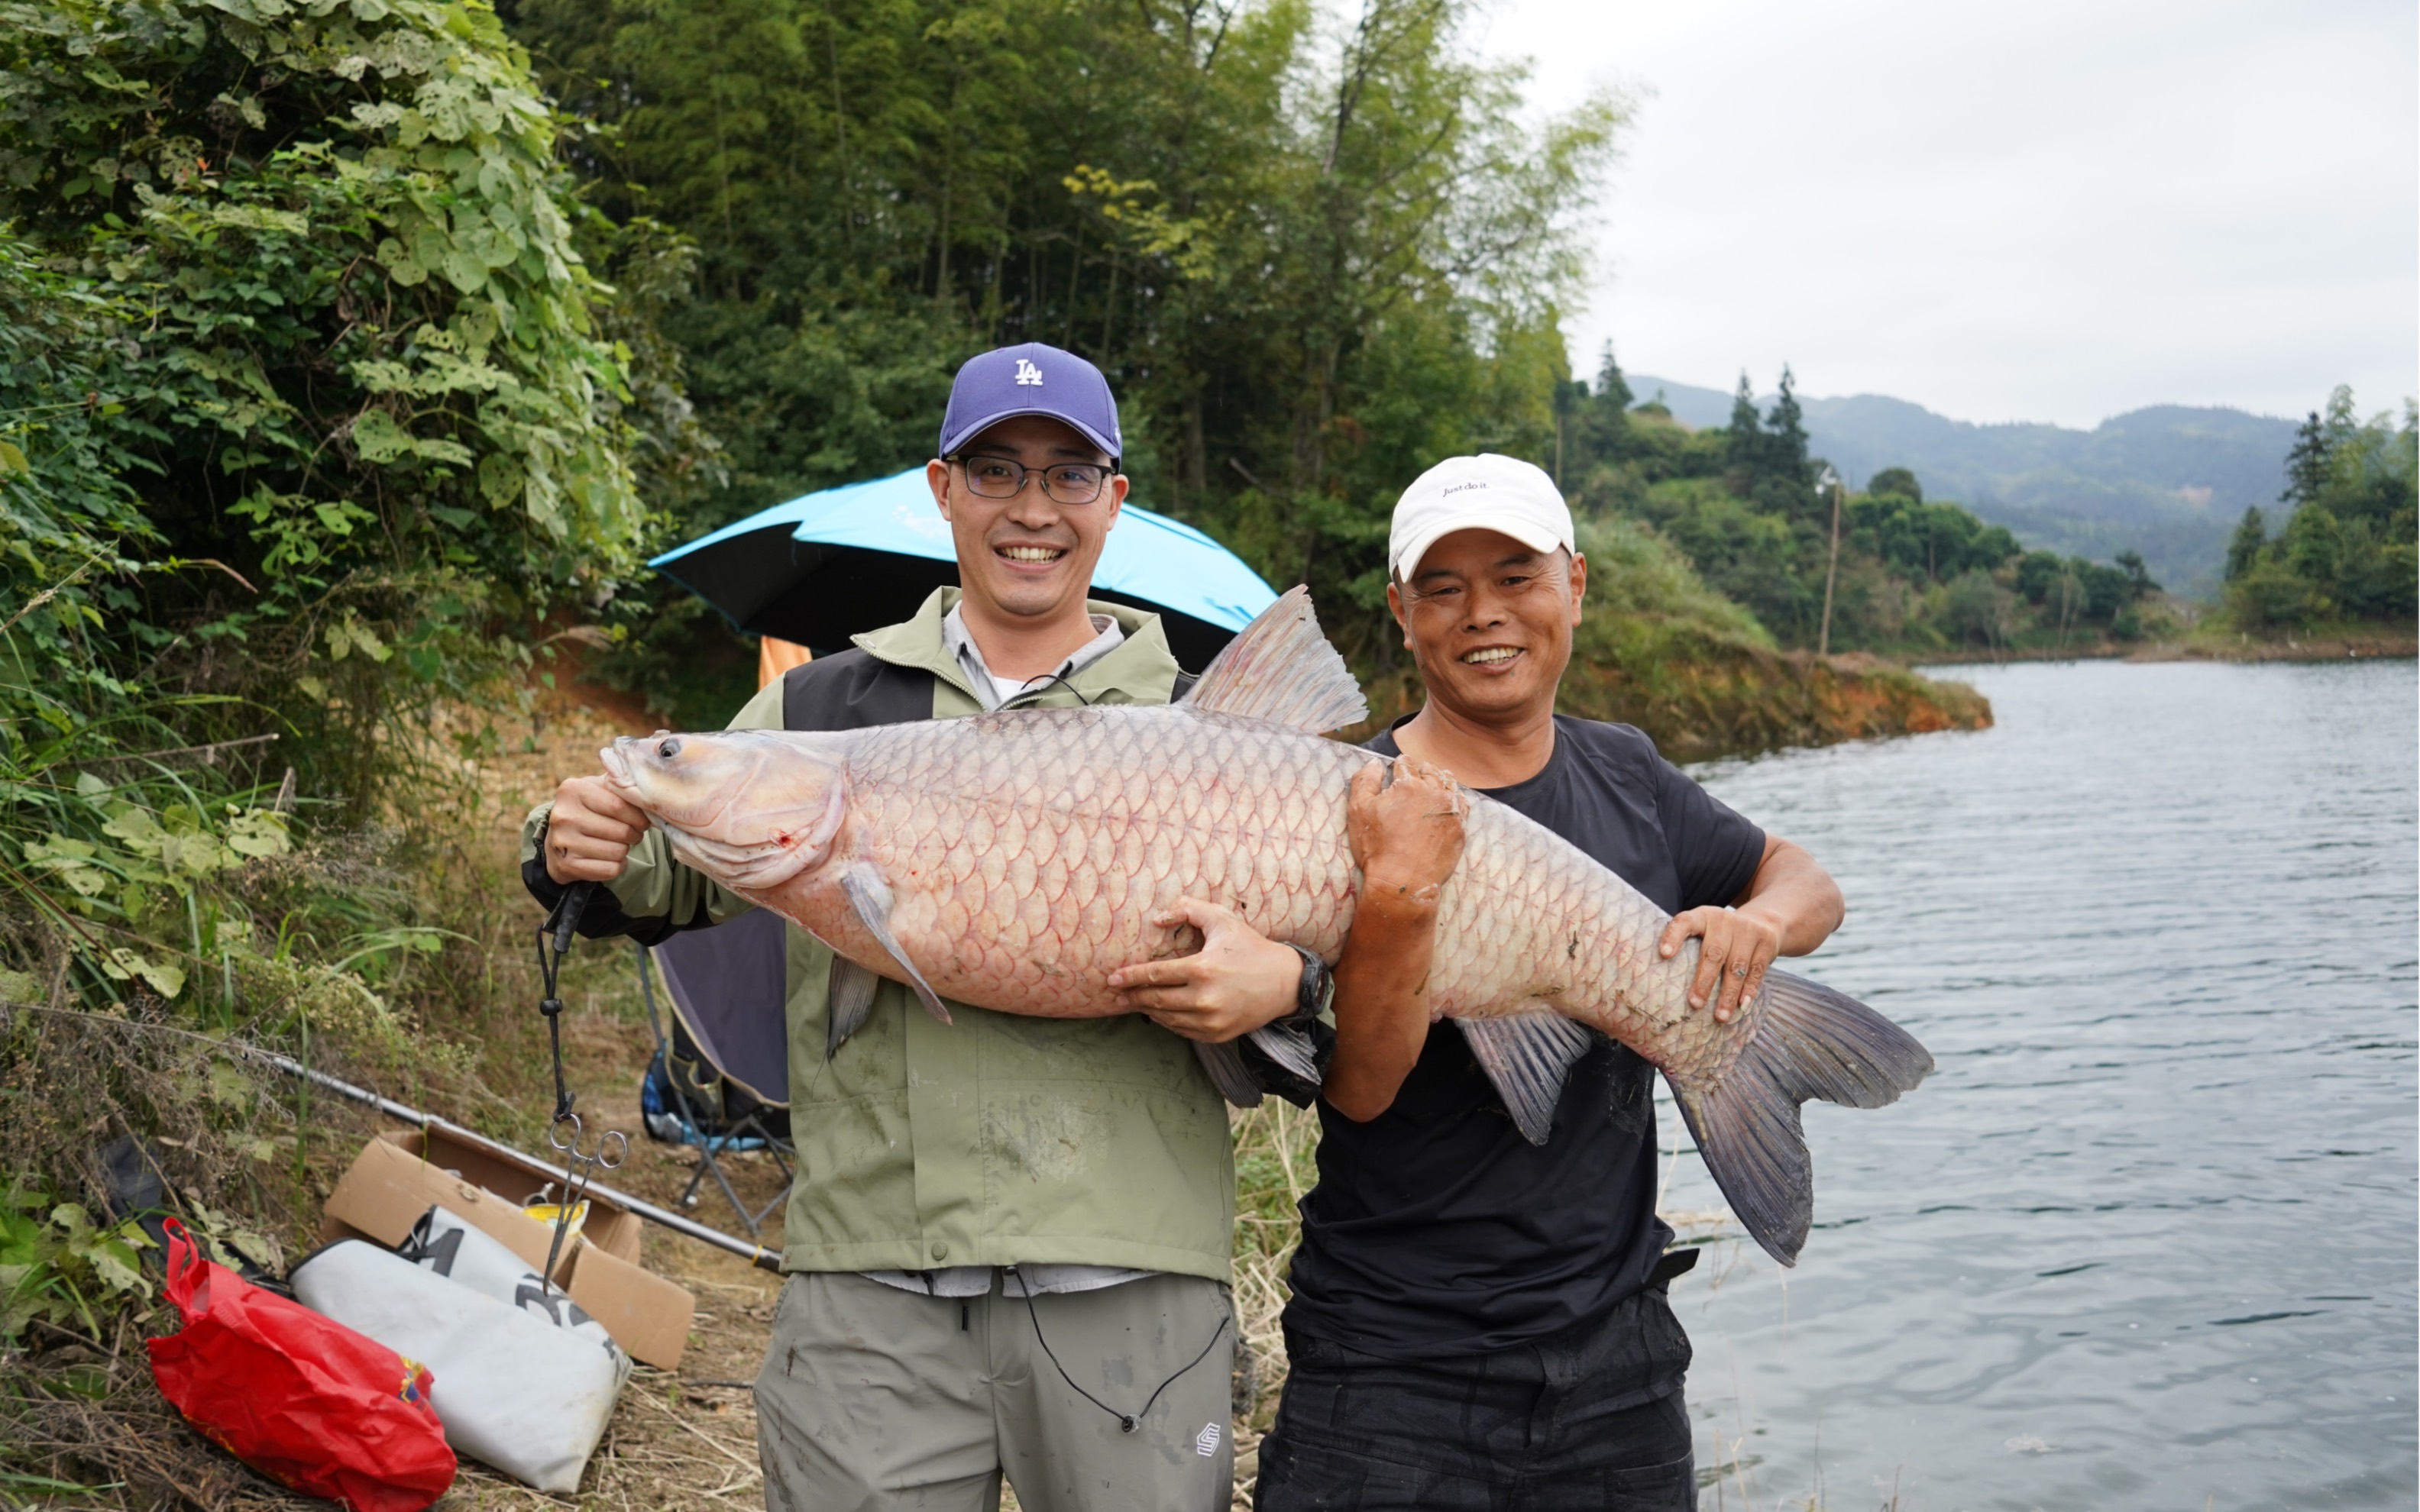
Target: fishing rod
(756, 1255)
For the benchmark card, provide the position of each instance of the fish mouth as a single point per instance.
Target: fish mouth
(617, 766)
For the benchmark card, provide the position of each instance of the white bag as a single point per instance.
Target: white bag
(512, 1390)
(442, 1241)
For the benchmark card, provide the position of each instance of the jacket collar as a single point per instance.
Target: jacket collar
(1142, 668)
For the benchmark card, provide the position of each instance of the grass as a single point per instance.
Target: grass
(1276, 1162)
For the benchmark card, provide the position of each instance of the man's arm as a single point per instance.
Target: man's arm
(1406, 838)
(1790, 906)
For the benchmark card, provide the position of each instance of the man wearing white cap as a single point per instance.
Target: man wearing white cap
(1477, 1321)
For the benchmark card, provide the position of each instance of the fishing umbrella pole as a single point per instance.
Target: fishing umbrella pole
(756, 1255)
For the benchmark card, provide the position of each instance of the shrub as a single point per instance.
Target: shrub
(307, 427)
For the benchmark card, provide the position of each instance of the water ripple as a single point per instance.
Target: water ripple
(2156, 1211)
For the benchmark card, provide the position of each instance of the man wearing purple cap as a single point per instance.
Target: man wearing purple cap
(1008, 1241)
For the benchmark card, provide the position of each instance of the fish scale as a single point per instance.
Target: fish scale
(1099, 794)
(1014, 859)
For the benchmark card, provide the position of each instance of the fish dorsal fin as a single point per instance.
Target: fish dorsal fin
(1281, 668)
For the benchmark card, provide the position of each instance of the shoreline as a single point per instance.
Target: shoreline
(2315, 648)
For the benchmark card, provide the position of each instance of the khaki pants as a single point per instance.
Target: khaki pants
(874, 1399)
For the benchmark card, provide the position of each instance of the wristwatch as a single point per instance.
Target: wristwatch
(1317, 992)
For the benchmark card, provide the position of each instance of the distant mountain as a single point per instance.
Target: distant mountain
(2169, 481)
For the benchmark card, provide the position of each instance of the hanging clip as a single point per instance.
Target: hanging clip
(580, 1167)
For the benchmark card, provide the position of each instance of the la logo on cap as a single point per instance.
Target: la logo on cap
(1028, 375)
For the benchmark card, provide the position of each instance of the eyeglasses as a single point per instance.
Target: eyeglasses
(1066, 483)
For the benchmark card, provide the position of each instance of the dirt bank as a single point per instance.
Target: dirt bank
(1701, 698)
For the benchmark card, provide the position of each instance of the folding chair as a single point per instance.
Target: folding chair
(721, 1080)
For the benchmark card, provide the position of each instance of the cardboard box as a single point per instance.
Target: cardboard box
(401, 1175)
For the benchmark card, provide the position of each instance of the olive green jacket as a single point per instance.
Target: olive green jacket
(999, 1139)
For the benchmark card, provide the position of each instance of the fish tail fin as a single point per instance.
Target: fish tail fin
(1809, 1042)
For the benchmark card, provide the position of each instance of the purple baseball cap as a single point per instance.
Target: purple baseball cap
(1031, 380)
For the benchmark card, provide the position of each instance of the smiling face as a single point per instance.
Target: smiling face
(1489, 622)
(1028, 557)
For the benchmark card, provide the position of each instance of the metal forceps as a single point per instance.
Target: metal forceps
(580, 1167)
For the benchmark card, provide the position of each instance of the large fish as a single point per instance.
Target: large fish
(1013, 859)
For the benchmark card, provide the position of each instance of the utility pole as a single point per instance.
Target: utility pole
(1832, 569)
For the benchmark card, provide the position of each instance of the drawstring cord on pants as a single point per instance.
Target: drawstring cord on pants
(1127, 1420)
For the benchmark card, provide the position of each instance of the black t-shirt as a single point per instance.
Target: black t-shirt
(1435, 1228)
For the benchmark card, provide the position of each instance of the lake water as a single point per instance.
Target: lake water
(2147, 1238)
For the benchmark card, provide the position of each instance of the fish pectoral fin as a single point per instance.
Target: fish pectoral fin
(1527, 1056)
(1280, 668)
(1290, 1048)
(1225, 1064)
(848, 1000)
(871, 897)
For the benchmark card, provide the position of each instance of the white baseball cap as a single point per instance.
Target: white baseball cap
(1486, 492)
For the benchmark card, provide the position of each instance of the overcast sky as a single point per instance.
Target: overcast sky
(2001, 211)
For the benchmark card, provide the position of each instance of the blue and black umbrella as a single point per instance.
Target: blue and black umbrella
(822, 568)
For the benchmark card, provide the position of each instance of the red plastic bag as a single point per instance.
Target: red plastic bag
(301, 1398)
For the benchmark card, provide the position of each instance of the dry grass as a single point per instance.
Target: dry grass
(1275, 1165)
(689, 1440)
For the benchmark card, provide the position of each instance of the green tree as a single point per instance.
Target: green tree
(1593, 420)
(1785, 456)
(1895, 482)
(1740, 500)
(2351, 546)
(1978, 610)
(2307, 464)
(1745, 450)
(2249, 540)
(2271, 597)
(2313, 548)
(1313, 260)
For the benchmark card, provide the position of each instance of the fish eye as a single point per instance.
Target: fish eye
(669, 749)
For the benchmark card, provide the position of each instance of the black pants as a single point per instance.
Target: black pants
(1591, 1418)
